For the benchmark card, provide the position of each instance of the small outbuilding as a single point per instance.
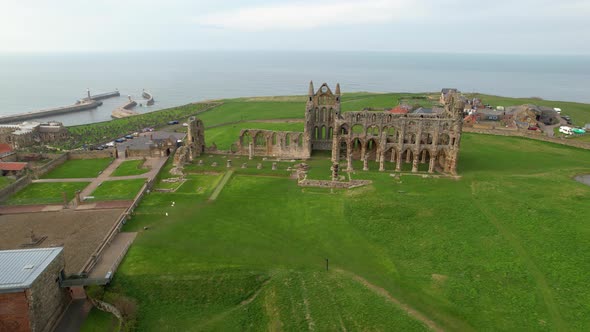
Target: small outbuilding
(31, 296)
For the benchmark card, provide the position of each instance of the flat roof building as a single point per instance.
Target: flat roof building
(31, 296)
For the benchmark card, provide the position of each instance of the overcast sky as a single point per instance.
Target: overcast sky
(464, 26)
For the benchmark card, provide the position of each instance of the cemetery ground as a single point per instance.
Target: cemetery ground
(502, 247)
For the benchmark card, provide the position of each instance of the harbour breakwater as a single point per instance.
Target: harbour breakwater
(79, 106)
(101, 96)
(125, 110)
(149, 97)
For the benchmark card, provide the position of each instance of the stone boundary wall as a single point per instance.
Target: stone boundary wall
(92, 154)
(14, 187)
(333, 184)
(95, 257)
(107, 307)
(515, 133)
(42, 170)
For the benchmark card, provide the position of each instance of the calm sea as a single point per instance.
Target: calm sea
(33, 82)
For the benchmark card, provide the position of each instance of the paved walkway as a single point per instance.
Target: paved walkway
(112, 256)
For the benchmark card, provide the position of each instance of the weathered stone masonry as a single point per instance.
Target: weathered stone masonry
(432, 139)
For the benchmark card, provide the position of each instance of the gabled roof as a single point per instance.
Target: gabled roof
(20, 268)
(12, 166)
(4, 148)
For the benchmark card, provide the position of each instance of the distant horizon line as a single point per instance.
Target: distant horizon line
(76, 52)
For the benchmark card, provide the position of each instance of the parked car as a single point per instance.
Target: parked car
(135, 134)
(173, 122)
(578, 131)
(533, 128)
(109, 144)
(185, 124)
(120, 140)
(128, 136)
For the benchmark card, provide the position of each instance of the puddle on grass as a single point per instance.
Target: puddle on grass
(584, 178)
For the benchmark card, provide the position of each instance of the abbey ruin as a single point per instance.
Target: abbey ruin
(387, 138)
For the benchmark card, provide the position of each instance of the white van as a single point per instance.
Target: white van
(566, 130)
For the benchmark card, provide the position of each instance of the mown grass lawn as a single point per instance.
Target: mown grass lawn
(117, 190)
(79, 168)
(99, 321)
(5, 181)
(502, 248)
(45, 193)
(130, 167)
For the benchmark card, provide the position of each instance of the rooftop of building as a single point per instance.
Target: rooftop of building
(21, 267)
(12, 166)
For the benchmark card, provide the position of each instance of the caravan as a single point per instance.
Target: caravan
(566, 130)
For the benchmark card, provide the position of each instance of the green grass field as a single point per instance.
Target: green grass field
(5, 181)
(505, 247)
(130, 167)
(99, 321)
(45, 193)
(501, 248)
(117, 190)
(79, 168)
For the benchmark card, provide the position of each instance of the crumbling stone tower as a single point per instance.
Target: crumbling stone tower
(195, 139)
(322, 108)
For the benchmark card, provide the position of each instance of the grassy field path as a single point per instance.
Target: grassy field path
(221, 184)
(382, 292)
(539, 277)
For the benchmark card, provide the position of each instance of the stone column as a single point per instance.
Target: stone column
(363, 150)
(408, 156)
(366, 162)
(432, 163)
(423, 160)
(415, 163)
(381, 163)
(398, 163)
(335, 148)
(250, 150)
(349, 167)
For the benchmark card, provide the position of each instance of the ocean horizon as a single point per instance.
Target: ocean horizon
(31, 82)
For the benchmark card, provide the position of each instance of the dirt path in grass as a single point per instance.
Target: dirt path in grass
(539, 277)
(220, 186)
(380, 291)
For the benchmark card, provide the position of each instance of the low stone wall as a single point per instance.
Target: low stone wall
(48, 167)
(520, 133)
(14, 187)
(333, 184)
(92, 154)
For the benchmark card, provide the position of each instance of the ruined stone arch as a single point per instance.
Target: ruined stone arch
(246, 138)
(390, 155)
(288, 139)
(330, 132)
(343, 129)
(260, 139)
(389, 118)
(373, 131)
(274, 139)
(372, 148)
(300, 140)
(331, 115)
(425, 156)
(324, 116)
(316, 133)
(391, 134)
(356, 148)
(443, 139)
(358, 117)
(358, 129)
(407, 155)
(374, 118)
(323, 133)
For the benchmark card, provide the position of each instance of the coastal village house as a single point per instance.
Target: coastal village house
(31, 297)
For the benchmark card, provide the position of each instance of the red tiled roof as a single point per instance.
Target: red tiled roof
(5, 148)
(11, 166)
(399, 110)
